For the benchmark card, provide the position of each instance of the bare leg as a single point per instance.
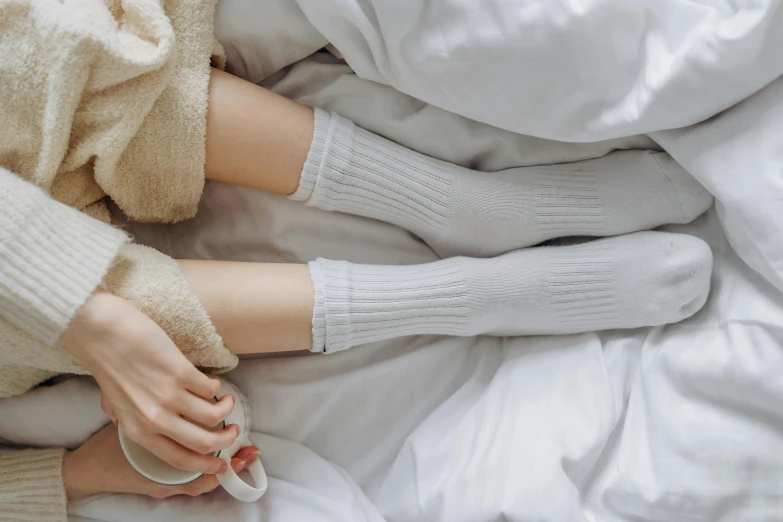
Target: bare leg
(258, 139)
(642, 279)
(256, 307)
(261, 140)
(255, 138)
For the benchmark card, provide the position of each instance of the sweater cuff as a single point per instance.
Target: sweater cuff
(52, 257)
(31, 486)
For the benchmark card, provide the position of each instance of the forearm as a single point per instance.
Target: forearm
(255, 307)
(255, 138)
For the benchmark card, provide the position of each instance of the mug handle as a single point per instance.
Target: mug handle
(240, 489)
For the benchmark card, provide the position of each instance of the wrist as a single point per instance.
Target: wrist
(93, 320)
(77, 477)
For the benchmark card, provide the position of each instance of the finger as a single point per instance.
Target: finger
(200, 384)
(248, 453)
(183, 458)
(203, 485)
(200, 439)
(238, 464)
(205, 412)
(208, 483)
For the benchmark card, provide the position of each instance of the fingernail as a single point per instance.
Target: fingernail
(254, 455)
(241, 465)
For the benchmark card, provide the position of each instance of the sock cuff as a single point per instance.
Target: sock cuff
(331, 283)
(319, 319)
(309, 178)
(366, 303)
(334, 182)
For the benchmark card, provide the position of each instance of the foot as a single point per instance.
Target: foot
(641, 279)
(458, 211)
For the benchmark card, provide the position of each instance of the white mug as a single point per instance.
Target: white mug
(159, 471)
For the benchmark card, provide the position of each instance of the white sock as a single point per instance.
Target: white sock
(642, 279)
(460, 211)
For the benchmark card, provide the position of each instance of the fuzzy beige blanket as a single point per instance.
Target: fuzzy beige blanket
(108, 98)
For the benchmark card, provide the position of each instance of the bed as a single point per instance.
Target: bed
(683, 422)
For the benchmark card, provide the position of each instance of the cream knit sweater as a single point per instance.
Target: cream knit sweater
(97, 98)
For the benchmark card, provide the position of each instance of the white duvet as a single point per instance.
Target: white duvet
(683, 422)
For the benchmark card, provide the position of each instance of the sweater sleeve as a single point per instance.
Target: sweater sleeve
(31, 486)
(51, 258)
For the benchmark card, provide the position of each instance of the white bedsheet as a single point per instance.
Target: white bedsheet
(665, 424)
(571, 70)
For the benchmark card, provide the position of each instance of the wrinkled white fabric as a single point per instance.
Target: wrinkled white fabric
(738, 156)
(262, 37)
(561, 69)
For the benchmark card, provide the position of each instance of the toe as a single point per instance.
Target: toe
(688, 269)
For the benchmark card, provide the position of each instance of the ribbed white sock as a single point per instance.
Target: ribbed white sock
(458, 211)
(641, 279)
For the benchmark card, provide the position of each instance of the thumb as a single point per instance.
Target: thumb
(207, 483)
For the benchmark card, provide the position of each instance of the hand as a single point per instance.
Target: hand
(148, 386)
(99, 466)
